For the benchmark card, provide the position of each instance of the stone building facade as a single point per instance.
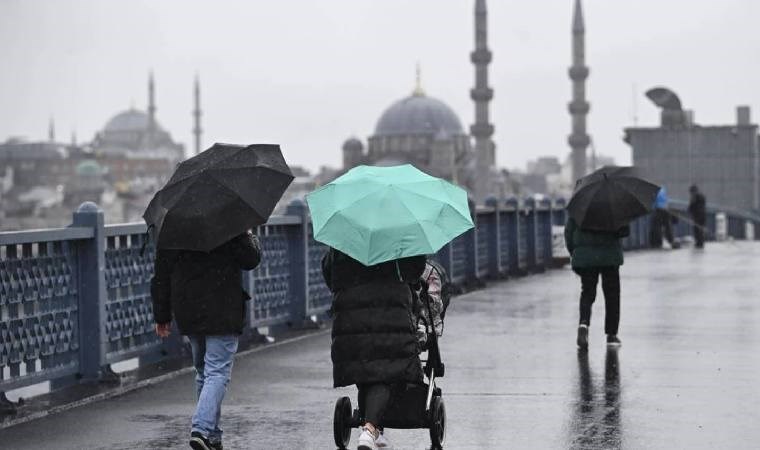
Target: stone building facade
(722, 160)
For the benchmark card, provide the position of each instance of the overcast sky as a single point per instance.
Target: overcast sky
(307, 74)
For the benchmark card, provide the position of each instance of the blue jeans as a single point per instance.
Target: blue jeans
(212, 358)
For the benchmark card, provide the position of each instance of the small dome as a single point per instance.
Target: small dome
(89, 168)
(418, 114)
(353, 144)
(129, 120)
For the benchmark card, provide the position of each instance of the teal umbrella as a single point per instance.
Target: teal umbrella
(377, 214)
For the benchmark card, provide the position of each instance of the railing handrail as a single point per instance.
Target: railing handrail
(45, 235)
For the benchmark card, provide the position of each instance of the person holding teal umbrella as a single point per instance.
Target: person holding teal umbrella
(380, 223)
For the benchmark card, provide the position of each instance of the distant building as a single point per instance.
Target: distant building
(544, 165)
(123, 166)
(723, 160)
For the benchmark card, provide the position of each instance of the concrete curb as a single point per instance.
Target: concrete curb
(121, 390)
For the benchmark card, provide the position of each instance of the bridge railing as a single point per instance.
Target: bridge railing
(75, 300)
(721, 223)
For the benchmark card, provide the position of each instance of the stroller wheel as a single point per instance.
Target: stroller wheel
(342, 422)
(437, 422)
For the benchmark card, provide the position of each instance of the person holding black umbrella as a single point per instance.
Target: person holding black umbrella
(596, 254)
(202, 221)
(602, 205)
(203, 292)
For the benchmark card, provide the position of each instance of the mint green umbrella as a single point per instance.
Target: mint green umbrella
(376, 214)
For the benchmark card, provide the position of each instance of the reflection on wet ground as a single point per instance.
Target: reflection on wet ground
(685, 377)
(596, 417)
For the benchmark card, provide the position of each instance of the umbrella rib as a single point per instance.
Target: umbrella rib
(219, 178)
(201, 171)
(451, 201)
(417, 219)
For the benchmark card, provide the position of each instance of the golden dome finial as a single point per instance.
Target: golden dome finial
(418, 91)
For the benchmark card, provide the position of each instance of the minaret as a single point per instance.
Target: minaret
(197, 130)
(481, 94)
(418, 91)
(579, 107)
(51, 131)
(151, 106)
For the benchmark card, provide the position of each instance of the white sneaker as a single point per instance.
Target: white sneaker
(366, 440)
(382, 442)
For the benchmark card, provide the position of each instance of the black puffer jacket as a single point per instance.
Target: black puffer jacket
(204, 290)
(373, 335)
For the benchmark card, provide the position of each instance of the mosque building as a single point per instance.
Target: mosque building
(424, 131)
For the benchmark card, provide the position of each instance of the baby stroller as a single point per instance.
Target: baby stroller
(411, 406)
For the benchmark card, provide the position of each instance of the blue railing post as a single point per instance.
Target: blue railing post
(494, 240)
(91, 262)
(444, 257)
(559, 213)
(513, 221)
(471, 247)
(545, 231)
(531, 213)
(298, 251)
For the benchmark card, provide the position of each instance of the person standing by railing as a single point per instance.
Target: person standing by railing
(698, 211)
(204, 293)
(661, 222)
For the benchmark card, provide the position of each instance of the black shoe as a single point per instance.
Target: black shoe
(200, 442)
(612, 339)
(582, 340)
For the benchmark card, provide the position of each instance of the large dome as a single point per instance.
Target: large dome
(129, 120)
(418, 114)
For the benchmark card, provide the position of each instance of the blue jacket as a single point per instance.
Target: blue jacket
(661, 202)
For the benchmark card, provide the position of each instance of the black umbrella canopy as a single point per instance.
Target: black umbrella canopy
(217, 195)
(610, 198)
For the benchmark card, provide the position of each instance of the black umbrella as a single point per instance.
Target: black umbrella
(610, 198)
(218, 194)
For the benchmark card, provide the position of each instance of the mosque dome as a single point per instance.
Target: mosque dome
(89, 168)
(418, 114)
(131, 120)
(353, 144)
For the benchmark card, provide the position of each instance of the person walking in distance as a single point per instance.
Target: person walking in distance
(698, 211)
(594, 254)
(203, 292)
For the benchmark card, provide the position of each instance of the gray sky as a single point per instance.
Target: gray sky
(307, 74)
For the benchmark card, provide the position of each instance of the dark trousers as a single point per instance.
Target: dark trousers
(611, 288)
(661, 227)
(373, 400)
(699, 234)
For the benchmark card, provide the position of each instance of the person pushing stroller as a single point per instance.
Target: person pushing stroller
(384, 317)
(379, 223)
(374, 336)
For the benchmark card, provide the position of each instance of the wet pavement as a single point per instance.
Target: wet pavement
(686, 375)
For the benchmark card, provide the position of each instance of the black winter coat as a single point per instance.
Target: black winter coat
(698, 208)
(373, 335)
(203, 291)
